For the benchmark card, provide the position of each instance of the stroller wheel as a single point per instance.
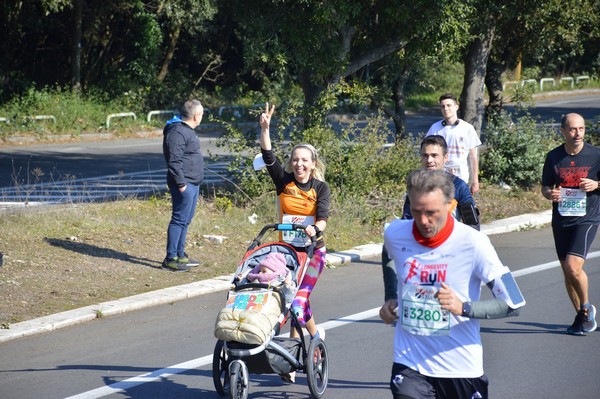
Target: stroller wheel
(220, 369)
(238, 380)
(317, 363)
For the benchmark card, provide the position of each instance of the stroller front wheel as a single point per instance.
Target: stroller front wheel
(317, 363)
(238, 380)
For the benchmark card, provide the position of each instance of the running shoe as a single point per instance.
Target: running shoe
(590, 324)
(320, 333)
(577, 327)
(290, 377)
(174, 265)
(186, 260)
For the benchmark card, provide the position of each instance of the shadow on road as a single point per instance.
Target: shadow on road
(527, 328)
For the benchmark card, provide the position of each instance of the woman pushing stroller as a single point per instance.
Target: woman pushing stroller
(304, 199)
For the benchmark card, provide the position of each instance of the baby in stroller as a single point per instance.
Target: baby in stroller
(272, 269)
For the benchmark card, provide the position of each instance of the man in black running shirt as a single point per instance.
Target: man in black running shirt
(570, 180)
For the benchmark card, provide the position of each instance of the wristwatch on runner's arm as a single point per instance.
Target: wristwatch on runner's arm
(466, 309)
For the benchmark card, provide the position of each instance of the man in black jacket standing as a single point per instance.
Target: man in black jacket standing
(181, 149)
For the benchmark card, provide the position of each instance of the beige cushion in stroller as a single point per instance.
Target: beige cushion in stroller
(251, 324)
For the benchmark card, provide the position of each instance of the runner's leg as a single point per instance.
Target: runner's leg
(301, 304)
(576, 280)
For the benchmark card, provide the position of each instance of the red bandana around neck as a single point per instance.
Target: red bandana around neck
(437, 239)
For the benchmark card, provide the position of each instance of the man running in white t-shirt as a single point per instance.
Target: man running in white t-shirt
(441, 266)
(462, 142)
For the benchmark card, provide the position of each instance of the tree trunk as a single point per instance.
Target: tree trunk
(493, 83)
(173, 39)
(76, 51)
(312, 90)
(472, 103)
(399, 114)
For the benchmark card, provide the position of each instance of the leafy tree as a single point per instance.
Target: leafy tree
(181, 15)
(405, 69)
(515, 148)
(118, 45)
(317, 43)
(511, 29)
(544, 33)
(159, 51)
(52, 6)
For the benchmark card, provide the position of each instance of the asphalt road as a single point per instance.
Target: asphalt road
(552, 108)
(166, 351)
(92, 170)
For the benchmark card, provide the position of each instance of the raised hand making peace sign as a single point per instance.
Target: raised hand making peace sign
(265, 117)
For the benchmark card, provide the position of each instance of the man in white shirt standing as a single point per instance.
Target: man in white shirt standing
(462, 142)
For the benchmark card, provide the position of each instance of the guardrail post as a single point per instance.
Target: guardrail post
(567, 78)
(159, 112)
(43, 117)
(5, 120)
(578, 79)
(510, 83)
(546, 80)
(119, 115)
(528, 81)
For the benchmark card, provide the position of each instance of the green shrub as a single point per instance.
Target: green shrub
(222, 204)
(592, 131)
(514, 153)
(358, 160)
(74, 113)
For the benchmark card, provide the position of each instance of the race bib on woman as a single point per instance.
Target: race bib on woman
(296, 238)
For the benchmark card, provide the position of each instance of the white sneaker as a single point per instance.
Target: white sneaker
(320, 333)
(590, 324)
(290, 377)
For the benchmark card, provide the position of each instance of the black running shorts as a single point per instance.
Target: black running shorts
(407, 383)
(574, 240)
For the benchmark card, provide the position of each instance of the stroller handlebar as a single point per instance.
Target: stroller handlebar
(310, 249)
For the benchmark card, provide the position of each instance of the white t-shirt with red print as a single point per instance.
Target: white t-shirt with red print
(430, 340)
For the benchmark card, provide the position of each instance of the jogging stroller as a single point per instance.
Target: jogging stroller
(246, 348)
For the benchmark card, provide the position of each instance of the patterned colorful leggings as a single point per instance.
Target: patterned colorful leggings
(301, 304)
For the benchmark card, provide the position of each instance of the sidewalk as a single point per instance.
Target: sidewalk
(172, 294)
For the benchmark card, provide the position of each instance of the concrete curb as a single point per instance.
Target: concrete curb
(178, 293)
